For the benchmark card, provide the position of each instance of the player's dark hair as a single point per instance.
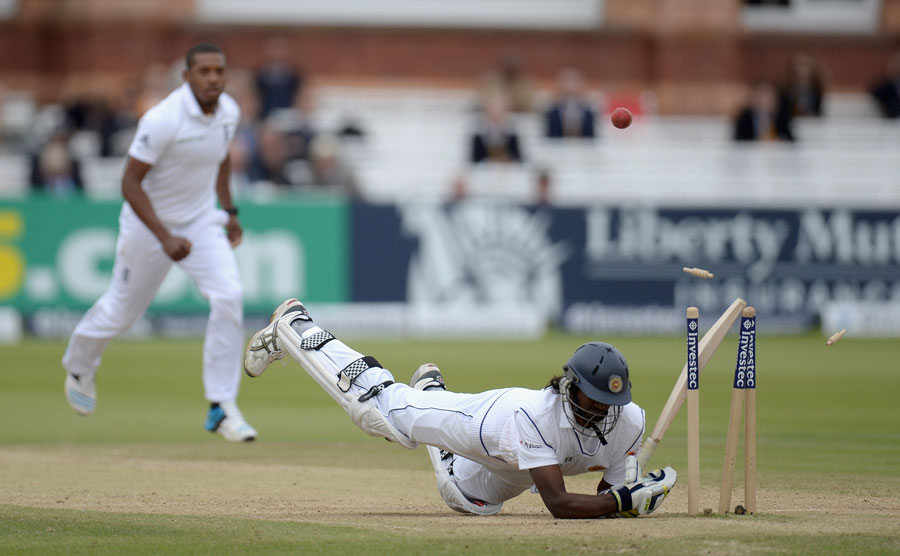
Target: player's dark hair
(554, 383)
(200, 48)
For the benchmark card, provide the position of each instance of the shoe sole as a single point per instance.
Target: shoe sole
(80, 403)
(247, 350)
(432, 372)
(283, 309)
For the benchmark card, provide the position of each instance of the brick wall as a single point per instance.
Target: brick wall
(694, 64)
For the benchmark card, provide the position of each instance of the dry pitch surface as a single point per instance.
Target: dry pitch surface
(397, 494)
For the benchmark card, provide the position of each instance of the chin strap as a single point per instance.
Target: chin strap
(599, 435)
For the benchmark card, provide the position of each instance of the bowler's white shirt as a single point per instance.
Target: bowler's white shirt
(526, 429)
(185, 147)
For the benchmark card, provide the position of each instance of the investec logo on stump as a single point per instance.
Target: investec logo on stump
(693, 377)
(745, 376)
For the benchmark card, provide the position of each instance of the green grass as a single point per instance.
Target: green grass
(827, 422)
(81, 532)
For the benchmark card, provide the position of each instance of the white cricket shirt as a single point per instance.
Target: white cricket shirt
(185, 147)
(526, 429)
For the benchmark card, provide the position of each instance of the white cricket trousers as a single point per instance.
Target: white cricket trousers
(451, 421)
(139, 269)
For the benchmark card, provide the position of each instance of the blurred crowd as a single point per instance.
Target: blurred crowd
(282, 143)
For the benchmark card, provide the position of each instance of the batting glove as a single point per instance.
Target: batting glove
(633, 474)
(644, 497)
(633, 471)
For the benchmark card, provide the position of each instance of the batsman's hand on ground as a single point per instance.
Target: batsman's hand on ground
(633, 474)
(645, 496)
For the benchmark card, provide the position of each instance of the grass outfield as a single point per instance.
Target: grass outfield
(141, 476)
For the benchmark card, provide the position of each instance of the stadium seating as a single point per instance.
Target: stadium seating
(416, 148)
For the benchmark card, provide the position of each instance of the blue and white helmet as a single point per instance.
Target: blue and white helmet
(600, 371)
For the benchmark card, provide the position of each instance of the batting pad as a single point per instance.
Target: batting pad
(337, 381)
(451, 494)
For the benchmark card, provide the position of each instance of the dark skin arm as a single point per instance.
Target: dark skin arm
(176, 247)
(568, 505)
(233, 227)
(603, 485)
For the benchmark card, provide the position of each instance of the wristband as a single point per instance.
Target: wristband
(233, 211)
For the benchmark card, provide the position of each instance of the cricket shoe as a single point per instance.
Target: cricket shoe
(263, 350)
(427, 377)
(81, 393)
(226, 419)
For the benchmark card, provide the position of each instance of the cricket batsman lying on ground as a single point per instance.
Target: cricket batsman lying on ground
(490, 447)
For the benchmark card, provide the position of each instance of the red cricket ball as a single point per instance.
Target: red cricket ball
(621, 118)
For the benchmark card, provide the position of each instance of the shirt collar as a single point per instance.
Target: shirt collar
(191, 104)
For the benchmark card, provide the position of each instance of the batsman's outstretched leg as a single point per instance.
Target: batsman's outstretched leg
(350, 378)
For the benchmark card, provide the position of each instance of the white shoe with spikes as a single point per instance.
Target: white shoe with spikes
(263, 349)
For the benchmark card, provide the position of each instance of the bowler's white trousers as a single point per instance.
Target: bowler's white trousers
(139, 269)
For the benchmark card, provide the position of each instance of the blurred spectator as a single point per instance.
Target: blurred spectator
(496, 140)
(804, 89)
(242, 86)
(124, 120)
(241, 155)
(458, 187)
(154, 87)
(277, 81)
(18, 117)
(5, 134)
(351, 128)
(268, 162)
(509, 81)
(886, 92)
(764, 117)
(571, 115)
(298, 123)
(544, 184)
(53, 168)
(326, 168)
(95, 116)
